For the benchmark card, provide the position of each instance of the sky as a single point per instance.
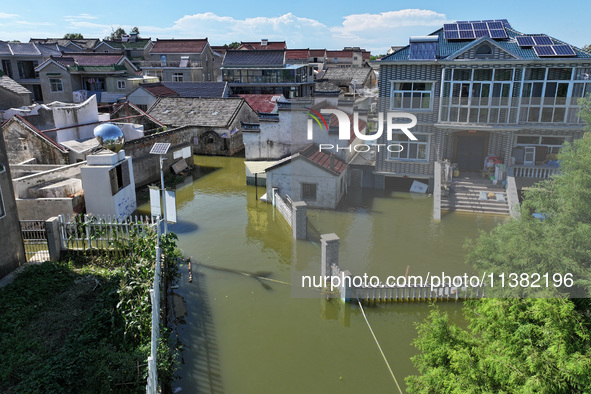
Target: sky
(374, 25)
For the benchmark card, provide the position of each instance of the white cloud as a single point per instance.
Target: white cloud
(4, 15)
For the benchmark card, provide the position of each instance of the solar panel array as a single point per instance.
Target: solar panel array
(160, 148)
(470, 30)
(545, 47)
(423, 51)
(554, 50)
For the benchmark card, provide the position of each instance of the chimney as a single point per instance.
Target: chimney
(264, 42)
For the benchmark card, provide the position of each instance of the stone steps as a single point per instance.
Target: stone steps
(465, 197)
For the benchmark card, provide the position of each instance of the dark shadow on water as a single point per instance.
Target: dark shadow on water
(183, 227)
(202, 171)
(204, 360)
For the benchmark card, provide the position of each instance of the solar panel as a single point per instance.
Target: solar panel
(494, 25)
(525, 41)
(465, 26)
(481, 33)
(423, 50)
(480, 26)
(498, 33)
(544, 50)
(450, 26)
(160, 148)
(466, 34)
(543, 40)
(564, 50)
(451, 35)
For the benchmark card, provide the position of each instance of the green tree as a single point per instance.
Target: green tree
(73, 36)
(587, 48)
(519, 344)
(233, 45)
(116, 34)
(135, 30)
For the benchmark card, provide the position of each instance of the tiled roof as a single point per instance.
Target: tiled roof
(334, 122)
(27, 49)
(158, 90)
(93, 59)
(219, 49)
(184, 46)
(445, 48)
(262, 103)
(326, 86)
(312, 154)
(211, 112)
(138, 44)
(351, 74)
(339, 54)
(317, 52)
(9, 84)
(254, 58)
(297, 54)
(197, 89)
(271, 45)
(83, 43)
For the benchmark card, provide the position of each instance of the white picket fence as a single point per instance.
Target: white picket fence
(284, 207)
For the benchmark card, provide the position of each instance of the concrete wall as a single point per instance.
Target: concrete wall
(67, 83)
(11, 243)
(289, 178)
(22, 185)
(10, 99)
(45, 208)
(25, 144)
(141, 97)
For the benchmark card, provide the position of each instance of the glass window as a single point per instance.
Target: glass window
(559, 74)
(56, 85)
(535, 74)
(462, 75)
(411, 95)
(178, 77)
(410, 150)
(503, 75)
(120, 84)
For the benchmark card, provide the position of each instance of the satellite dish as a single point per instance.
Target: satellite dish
(109, 137)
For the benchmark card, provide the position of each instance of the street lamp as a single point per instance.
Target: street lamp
(160, 148)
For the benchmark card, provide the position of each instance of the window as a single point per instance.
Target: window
(309, 191)
(121, 84)
(56, 85)
(7, 68)
(552, 143)
(178, 77)
(411, 95)
(411, 150)
(548, 101)
(483, 50)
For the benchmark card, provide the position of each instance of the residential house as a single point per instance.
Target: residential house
(266, 72)
(132, 46)
(62, 133)
(348, 57)
(11, 242)
(480, 89)
(216, 122)
(19, 62)
(181, 60)
(318, 178)
(317, 59)
(351, 78)
(75, 76)
(12, 94)
(145, 95)
(262, 45)
(70, 45)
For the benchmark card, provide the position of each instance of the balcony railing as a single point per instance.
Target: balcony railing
(541, 172)
(152, 64)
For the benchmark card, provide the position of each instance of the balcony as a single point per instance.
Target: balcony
(539, 172)
(185, 64)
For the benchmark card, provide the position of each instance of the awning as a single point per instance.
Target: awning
(258, 167)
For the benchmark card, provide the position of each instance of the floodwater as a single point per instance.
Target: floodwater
(244, 335)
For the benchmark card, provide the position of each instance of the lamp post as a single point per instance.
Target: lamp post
(160, 148)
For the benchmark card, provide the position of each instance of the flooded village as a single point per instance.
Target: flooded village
(270, 165)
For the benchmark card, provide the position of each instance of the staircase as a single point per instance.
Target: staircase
(470, 193)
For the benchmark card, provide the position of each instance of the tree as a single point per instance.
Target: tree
(520, 344)
(135, 30)
(116, 34)
(73, 36)
(233, 45)
(587, 48)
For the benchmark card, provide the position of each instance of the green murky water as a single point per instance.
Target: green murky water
(243, 336)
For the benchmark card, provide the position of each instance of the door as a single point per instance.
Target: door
(470, 153)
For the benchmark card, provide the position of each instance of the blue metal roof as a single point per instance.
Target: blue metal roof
(445, 48)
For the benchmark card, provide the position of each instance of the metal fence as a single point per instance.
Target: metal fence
(35, 240)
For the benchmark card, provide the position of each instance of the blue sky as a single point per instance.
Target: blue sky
(374, 25)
